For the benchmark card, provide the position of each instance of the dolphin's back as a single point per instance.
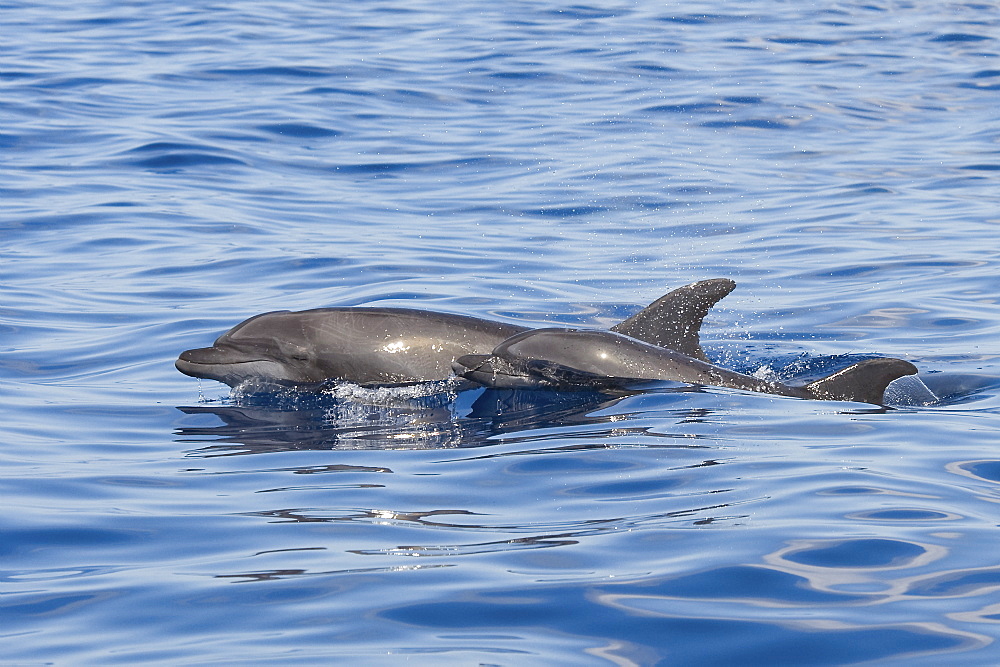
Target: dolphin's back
(390, 345)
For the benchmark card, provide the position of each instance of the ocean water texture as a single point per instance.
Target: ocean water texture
(169, 169)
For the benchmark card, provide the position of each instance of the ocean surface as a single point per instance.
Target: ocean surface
(170, 169)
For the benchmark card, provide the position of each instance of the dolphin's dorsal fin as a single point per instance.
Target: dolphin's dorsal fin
(674, 320)
(864, 382)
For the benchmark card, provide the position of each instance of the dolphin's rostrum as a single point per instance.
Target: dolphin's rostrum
(384, 346)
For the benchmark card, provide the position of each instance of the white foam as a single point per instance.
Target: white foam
(394, 395)
(766, 373)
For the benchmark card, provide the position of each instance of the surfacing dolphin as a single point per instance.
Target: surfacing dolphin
(575, 358)
(384, 346)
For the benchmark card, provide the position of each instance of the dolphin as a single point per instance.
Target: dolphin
(386, 346)
(575, 358)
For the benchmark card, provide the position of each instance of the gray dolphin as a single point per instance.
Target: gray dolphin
(574, 358)
(378, 346)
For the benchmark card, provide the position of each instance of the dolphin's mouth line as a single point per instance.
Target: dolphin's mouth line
(483, 363)
(223, 363)
(469, 363)
(211, 363)
(217, 356)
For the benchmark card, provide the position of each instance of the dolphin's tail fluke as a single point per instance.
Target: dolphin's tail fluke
(674, 320)
(864, 382)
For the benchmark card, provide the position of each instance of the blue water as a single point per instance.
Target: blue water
(169, 169)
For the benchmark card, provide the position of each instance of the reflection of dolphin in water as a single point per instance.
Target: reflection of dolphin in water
(569, 358)
(372, 346)
(319, 421)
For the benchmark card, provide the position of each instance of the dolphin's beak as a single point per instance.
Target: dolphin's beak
(214, 355)
(491, 371)
(217, 363)
(209, 357)
(470, 363)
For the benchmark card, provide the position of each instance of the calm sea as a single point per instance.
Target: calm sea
(169, 169)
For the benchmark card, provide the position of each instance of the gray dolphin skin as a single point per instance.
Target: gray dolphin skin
(575, 358)
(384, 346)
